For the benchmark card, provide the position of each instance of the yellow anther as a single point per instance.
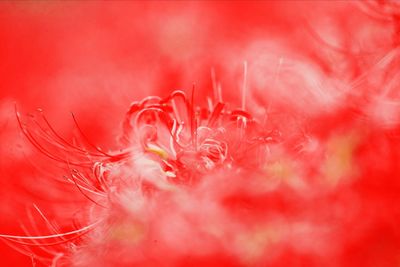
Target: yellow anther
(157, 150)
(340, 153)
(133, 233)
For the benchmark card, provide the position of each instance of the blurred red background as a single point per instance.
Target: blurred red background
(95, 58)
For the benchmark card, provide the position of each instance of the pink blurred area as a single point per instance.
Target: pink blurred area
(94, 58)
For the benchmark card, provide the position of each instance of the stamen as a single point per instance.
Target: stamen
(244, 89)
